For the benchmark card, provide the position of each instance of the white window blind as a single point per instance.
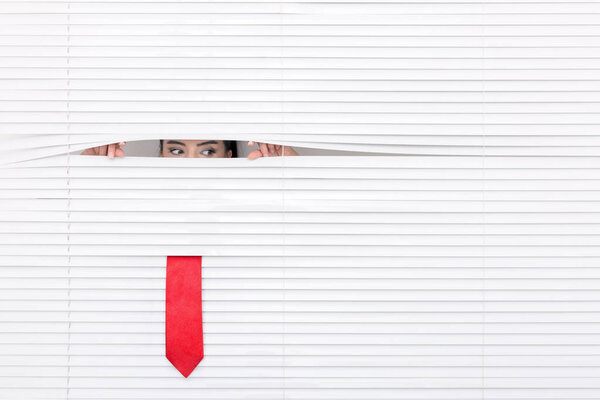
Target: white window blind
(463, 266)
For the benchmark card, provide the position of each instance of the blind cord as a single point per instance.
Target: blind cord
(282, 129)
(483, 202)
(68, 201)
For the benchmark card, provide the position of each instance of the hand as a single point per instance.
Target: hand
(111, 150)
(270, 150)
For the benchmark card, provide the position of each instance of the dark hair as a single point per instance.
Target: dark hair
(229, 145)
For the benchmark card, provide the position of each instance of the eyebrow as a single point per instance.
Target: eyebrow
(199, 144)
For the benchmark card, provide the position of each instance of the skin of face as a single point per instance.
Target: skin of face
(194, 149)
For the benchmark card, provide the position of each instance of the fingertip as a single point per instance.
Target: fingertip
(254, 155)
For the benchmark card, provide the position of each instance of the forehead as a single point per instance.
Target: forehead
(196, 142)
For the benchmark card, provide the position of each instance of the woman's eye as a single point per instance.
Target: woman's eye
(208, 152)
(176, 151)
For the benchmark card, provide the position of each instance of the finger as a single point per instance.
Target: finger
(119, 152)
(122, 144)
(111, 150)
(102, 150)
(264, 149)
(269, 149)
(254, 155)
(250, 143)
(289, 151)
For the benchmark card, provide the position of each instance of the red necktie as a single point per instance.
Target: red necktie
(183, 319)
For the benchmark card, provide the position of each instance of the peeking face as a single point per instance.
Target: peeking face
(195, 149)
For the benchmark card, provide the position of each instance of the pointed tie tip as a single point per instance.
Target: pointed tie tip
(186, 367)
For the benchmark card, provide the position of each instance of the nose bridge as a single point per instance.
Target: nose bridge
(190, 151)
